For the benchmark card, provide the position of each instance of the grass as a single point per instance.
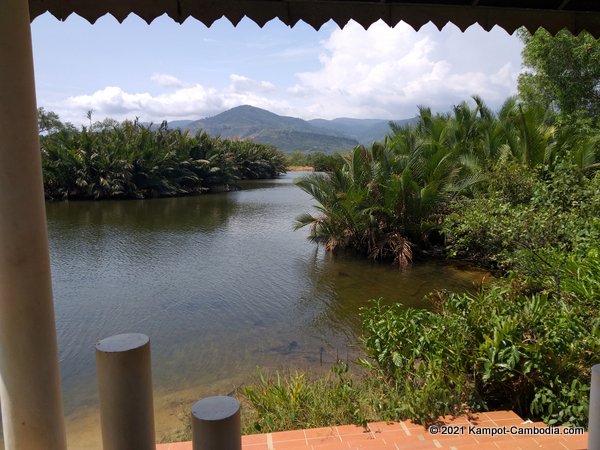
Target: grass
(294, 400)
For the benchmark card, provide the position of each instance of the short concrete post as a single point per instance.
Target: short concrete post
(125, 391)
(216, 424)
(594, 416)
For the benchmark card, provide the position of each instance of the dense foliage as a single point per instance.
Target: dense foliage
(387, 200)
(564, 71)
(129, 160)
(526, 343)
(321, 162)
(503, 347)
(518, 191)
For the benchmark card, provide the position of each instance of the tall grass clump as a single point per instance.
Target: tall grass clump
(297, 400)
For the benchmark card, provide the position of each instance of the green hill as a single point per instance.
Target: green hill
(289, 133)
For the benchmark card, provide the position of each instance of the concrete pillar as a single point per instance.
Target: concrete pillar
(125, 390)
(32, 411)
(594, 416)
(216, 424)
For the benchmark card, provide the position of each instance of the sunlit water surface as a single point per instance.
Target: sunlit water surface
(221, 283)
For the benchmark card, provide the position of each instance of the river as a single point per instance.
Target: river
(221, 283)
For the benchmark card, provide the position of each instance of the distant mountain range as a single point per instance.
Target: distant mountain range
(291, 133)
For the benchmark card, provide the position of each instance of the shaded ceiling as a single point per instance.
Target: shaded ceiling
(554, 15)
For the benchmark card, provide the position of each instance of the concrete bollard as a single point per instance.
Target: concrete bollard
(594, 415)
(125, 391)
(216, 424)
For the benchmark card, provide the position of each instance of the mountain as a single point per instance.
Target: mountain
(180, 123)
(365, 131)
(289, 133)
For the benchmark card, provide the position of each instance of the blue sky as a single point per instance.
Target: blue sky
(169, 71)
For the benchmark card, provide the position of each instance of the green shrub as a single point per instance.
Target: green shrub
(501, 229)
(296, 401)
(494, 349)
(422, 355)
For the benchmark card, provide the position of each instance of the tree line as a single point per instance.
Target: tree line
(129, 160)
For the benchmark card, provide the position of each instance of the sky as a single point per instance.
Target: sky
(167, 71)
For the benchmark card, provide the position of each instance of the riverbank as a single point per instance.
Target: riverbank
(300, 169)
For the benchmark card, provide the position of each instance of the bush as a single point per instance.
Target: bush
(297, 401)
(560, 211)
(495, 349)
(422, 356)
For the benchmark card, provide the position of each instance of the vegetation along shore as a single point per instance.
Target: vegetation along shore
(111, 160)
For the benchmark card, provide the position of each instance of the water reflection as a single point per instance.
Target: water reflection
(342, 284)
(183, 214)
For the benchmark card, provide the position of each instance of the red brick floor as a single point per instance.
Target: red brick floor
(467, 435)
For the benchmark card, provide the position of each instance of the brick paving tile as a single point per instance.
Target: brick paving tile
(375, 445)
(550, 438)
(423, 435)
(291, 445)
(506, 444)
(509, 422)
(350, 430)
(497, 438)
(382, 427)
(552, 445)
(295, 435)
(319, 442)
(180, 446)
(577, 442)
(408, 436)
(416, 445)
(533, 425)
(500, 415)
(528, 443)
(254, 439)
(414, 426)
(321, 433)
(358, 439)
(482, 421)
(398, 437)
(454, 420)
(455, 441)
(337, 446)
(252, 446)
(486, 446)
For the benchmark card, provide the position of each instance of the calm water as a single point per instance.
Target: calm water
(221, 284)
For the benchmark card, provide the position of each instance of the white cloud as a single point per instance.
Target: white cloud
(166, 80)
(114, 102)
(386, 72)
(242, 84)
(189, 101)
(379, 73)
